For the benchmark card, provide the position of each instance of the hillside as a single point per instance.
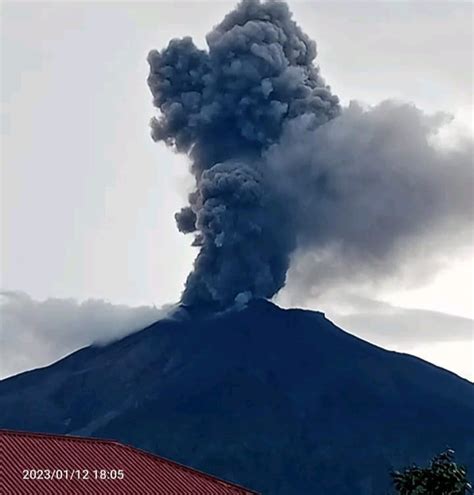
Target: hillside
(281, 401)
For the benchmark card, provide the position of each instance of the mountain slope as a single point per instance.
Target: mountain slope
(278, 400)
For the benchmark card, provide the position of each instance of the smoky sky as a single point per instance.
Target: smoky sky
(283, 173)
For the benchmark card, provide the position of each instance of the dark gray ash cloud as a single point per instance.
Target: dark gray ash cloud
(225, 107)
(283, 173)
(373, 197)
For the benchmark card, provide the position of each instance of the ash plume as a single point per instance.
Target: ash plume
(282, 171)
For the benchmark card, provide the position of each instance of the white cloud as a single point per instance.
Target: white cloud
(36, 333)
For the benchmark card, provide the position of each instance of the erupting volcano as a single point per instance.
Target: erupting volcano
(279, 400)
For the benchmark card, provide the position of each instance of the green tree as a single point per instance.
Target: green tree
(442, 477)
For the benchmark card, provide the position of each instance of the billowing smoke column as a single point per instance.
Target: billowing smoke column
(225, 107)
(281, 168)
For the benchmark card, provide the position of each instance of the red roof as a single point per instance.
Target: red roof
(77, 465)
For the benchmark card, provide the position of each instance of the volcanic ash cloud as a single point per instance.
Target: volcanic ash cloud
(283, 172)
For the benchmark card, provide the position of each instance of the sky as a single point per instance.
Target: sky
(88, 199)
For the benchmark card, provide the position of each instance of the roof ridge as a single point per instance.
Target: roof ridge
(105, 441)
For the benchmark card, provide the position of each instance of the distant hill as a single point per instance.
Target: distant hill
(281, 401)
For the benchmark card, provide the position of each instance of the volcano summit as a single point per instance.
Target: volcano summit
(281, 401)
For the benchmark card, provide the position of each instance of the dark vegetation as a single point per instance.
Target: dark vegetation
(442, 477)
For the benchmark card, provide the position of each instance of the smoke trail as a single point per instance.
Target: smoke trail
(372, 196)
(281, 168)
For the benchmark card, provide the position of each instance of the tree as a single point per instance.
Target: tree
(442, 477)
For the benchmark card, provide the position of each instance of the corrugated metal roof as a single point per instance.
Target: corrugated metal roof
(84, 461)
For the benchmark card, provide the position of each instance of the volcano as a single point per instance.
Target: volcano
(279, 400)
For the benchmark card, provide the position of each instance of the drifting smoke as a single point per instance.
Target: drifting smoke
(373, 197)
(280, 168)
